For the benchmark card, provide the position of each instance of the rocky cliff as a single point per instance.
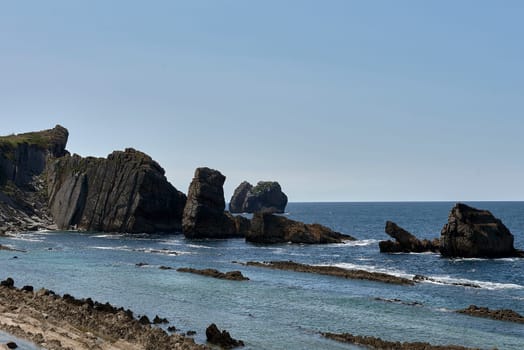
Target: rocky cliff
(266, 195)
(125, 192)
(23, 158)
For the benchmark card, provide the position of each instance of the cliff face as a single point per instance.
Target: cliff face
(266, 195)
(125, 192)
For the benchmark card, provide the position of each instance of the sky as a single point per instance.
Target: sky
(336, 100)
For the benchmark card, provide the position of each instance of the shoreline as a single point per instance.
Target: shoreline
(63, 322)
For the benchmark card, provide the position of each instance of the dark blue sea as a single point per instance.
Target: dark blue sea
(287, 310)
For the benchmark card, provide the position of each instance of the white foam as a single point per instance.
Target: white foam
(448, 280)
(143, 250)
(198, 246)
(371, 268)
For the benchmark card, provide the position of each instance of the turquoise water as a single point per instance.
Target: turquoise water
(286, 310)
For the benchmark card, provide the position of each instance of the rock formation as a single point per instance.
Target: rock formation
(501, 315)
(229, 275)
(266, 195)
(125, 192)
(204, 215)
(269, 228)
(222, 339)
(23, 158)
(405, 242)
(474, 233)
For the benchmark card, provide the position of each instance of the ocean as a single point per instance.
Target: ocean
(284, 309)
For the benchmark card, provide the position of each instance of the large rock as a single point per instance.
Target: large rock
(236, 204)
(266, 195)
(405, 242)
(125, 192)
(204, 215)
(474, 233)
(268, 228)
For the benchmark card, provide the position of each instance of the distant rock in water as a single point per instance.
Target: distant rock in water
(405, 242)
(221, 338)
(501, 315)
(204, 215)
(266, 195)
(474, 233)
(269, 228)
(125, 192)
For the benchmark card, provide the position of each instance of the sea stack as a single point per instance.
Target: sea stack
(266, 195)
(474, 233)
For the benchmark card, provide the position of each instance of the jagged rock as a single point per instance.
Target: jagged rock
(125, 192)
(11, 345)
(159, 320)
(230, 275)
(268, 228)
(222, 339)
(204, 215)
(501, 315)
(236, 204)
(405, 242)
(266, 195)
(8, 282)
(474, 233)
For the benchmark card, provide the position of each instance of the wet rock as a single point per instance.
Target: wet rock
(191, 333)
(159, 320)
(141, 264)
(501, 315)
(165, 267)
(377, 343)
(474, 233)
(421, 278)
(223, 339)
(236, 204)
(332, 271)
(405, 242)
(231, 275)
(8, 282)
(268, 228)
(399, 301)
(11, 345)
(204, 215)
(266, 195)
(144, 320)
(27, 288)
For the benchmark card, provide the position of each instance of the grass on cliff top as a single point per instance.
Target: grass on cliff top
(263, 186)
(38, 139)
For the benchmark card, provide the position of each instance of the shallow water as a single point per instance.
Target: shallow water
(282, 309)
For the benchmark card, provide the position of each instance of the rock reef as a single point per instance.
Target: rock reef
(230, 275)
(221, 338)
(268, 228)
(59, 323)
(501, 315)
(405, 242)
(377, 343)
(333, 271)
(474, 233)
(266, 195)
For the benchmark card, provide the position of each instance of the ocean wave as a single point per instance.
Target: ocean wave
(28, 237)
(198, 246)
(143, 250)
(372, 268)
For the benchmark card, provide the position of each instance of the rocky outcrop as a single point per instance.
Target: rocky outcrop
(222, 339)
(125, 192)
(204, 215)
(405, 242)
(377, 343)
(333, 271)
(266, 195)
(501, 315)
(230, 275)
(268, 228)
(474, 233)
(23, 158)
(236, 204)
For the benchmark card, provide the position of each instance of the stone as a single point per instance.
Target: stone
(11, 345)
(266, 195)
(236, 204)
(501, 315)
(474, 233)
(221, 338)
(125, 192)
(268, 228)
(405, 242)
(230, 275)
(8, 282)
(204, 215)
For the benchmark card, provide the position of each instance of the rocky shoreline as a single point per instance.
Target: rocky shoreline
(64, 323)
(501, 315)
(333, 271)
(377, 343)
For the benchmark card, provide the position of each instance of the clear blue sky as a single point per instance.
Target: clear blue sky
(337, 100)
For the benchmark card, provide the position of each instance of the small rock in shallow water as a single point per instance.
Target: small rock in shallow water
(158, 320)
(11, 345)
(222, 339)
(144, 320)
(8, 282)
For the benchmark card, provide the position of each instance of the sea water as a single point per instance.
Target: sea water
(284, 309)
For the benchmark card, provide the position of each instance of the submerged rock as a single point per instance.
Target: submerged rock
(125, 192)
(266, 195)
(222, 339)
(405, 242)
(501, 315)
(230, 275)
(204, 215)
(268, 228)
(474, 233)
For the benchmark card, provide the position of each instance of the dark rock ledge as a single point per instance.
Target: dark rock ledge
(405, 242)
(377, 343)
(501, 315)
(222, 339)
(58, 323)
(333, 271)
(230, 275)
